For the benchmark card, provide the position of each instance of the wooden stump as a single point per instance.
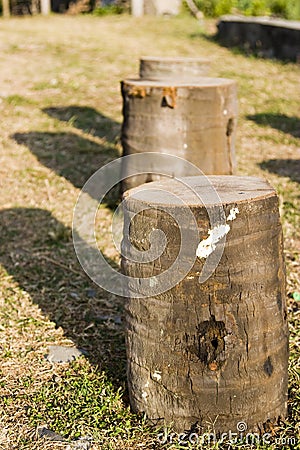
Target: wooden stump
(195, 121)
(212, 353)
(173, 68)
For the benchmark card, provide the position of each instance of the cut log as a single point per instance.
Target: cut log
(195, 121)
(173, 68)
(213, 353)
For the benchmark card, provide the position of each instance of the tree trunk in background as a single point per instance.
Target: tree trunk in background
(162, 7)
(45, 7)
(194, 10)
(5, 7)
(212, 353)
(137, 8)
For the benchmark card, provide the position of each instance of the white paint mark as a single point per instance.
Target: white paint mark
(225, 112)
(157, 375)
(153, 282)
(144, 393)
(208, 245)
(232, 214)
(185, 146)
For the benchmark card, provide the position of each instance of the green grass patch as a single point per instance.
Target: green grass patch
(18, 100)
(288, 9)
(62, 124)
(81, 401)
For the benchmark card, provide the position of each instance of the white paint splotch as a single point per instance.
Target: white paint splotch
(208, 245)
(156, 375)
(233, 213)
(144, 393)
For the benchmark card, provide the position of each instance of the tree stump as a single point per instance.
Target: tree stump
(195, 121)
(173, 68)
(212, 353)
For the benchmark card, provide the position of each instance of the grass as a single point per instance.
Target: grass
(60, 110)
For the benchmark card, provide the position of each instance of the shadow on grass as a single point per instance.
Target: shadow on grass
(282, 122)
(37, 251)
(242, 50)
(88, 120)
(71, 156)
(283, 167)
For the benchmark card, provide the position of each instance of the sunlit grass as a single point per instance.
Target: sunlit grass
(61, 113)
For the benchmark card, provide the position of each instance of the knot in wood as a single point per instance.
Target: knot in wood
(209, 343)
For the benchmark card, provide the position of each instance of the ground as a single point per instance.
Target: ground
(60, 110)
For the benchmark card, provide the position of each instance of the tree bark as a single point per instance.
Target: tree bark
(194, 10)
(212, 353)
(195, 121)
(6, 8)
(45, 7)
(137, 8)
(183, 69)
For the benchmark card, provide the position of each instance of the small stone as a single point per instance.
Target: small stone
(91, 293)
(106, 318)
(50, 435)
(61, 354)
(118, 320)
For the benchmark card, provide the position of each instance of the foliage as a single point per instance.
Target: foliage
(114, 7)
(288, 9)
(106, 10)
(78, 402)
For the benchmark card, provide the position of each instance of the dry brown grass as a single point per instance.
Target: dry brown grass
(60, 119)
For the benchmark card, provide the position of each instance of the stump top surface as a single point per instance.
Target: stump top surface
(174, 59)
(200, 82)
(202, 190)
(262, 20)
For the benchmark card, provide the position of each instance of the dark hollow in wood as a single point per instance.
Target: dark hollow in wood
(173, 68)
(195, 121)
(212, 353)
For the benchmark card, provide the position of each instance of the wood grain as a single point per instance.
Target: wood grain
(216, 352)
